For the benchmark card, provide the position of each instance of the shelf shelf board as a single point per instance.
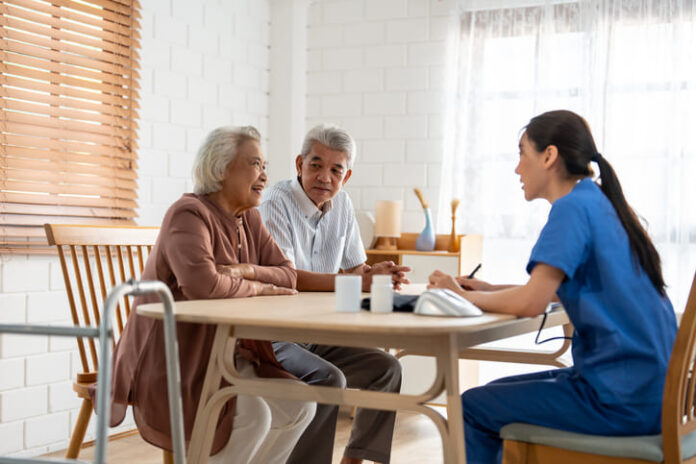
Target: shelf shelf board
(412, 252)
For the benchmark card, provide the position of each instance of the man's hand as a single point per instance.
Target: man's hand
(398, 273)
(241, 270)
(473, 284)
(262, 288)
(439, 279)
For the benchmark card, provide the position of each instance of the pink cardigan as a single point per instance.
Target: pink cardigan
(196, 235)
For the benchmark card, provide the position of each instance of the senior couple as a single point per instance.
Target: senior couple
(215, 243)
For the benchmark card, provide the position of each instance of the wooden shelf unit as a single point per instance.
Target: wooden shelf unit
(424, 262)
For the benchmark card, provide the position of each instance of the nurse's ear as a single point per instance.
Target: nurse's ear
(550, 157)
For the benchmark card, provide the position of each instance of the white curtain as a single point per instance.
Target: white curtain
(627, 66)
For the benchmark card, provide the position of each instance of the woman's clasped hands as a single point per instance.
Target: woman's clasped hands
(246, 271)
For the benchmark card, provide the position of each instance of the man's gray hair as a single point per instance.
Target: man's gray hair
(333, 137)
(219, 148)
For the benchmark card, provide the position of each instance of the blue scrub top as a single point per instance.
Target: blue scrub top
(624, 329)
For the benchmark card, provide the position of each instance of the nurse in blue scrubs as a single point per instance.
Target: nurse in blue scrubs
(593, 255)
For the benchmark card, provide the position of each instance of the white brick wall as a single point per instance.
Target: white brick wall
(209, 65)
(377, 68)
(204, 63)
(61, 397)
(383, 151)
(386, 9)
(12, 373)
(23, 403)
(24, 276)
(43, 307)
(11, 437)
(46, 429)
(19, 345)
(47, 368)
(13, 307)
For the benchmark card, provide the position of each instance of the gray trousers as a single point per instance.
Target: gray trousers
(363, 368)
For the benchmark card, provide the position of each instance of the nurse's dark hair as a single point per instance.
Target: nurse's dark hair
(571, 135)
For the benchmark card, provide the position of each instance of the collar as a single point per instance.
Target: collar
(306, 205)
(205, 198)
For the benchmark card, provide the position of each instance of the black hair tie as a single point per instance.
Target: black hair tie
(597, 156)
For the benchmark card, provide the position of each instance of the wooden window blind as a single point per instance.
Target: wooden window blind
(68, 93)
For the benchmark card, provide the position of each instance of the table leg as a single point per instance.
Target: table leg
(448, 364)
(208, 407)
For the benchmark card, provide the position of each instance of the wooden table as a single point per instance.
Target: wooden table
(310, 317)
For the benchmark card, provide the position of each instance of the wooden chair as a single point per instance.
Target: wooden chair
(529, 444)
(94, 259)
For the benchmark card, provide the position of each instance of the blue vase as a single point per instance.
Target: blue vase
(426, 239)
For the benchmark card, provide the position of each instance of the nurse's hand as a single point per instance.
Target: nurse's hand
(439, 279)
(473, 284)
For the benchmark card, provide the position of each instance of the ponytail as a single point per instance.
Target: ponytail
(641, 245)
(571, 135)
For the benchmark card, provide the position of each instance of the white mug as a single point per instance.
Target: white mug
(348, 289)
(381, 294)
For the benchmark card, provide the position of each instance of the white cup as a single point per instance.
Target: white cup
(348, 289)
(381, 294)
(382, 279)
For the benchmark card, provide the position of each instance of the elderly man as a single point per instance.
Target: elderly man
(312, 220)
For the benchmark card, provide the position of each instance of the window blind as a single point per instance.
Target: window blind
(68, 93)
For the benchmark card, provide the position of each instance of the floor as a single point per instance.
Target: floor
(415, 441)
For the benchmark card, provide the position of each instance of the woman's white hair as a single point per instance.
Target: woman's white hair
(333, 137)
(217, 151)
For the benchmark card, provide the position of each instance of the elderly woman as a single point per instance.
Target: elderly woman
(212, 244)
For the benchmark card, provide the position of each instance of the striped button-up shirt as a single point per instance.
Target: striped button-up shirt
(314, 240)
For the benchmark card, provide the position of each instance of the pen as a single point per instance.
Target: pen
(471, 276)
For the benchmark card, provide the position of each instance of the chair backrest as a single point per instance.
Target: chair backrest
(678, 412)
(94, 259)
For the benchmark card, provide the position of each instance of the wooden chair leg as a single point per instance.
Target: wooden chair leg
(167, 457)
(78, 434)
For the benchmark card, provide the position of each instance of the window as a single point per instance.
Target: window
(68, 96)
(627, 66)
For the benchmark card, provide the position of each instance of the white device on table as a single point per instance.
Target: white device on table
(444, 302)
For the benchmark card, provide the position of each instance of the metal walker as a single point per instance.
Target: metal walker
(104, 333)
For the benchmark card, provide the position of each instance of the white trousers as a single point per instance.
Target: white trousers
(265, 429)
